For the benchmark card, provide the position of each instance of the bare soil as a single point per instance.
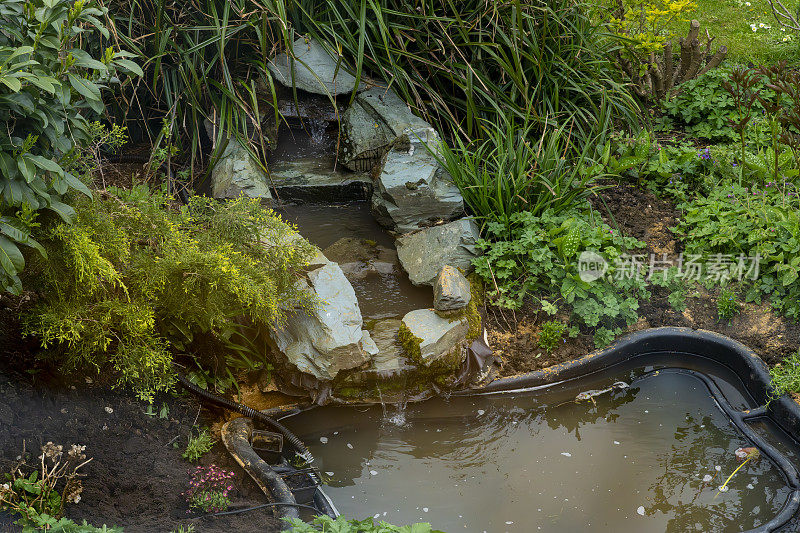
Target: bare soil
(137, 475)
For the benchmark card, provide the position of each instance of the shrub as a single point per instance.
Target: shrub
(705, 109)
(135, 280)
(538, 257)
(49, 86)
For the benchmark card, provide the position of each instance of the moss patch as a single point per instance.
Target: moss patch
(473, 314)
(410, 343)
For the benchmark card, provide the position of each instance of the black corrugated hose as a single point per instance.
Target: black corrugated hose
(299, 448)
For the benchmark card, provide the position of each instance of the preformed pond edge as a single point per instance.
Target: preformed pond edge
(746, 364)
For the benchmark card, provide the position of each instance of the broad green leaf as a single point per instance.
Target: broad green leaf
(26, 167)
(127, 64)
(84, 87)
(45, 164)
(66, 212)
(11, 258)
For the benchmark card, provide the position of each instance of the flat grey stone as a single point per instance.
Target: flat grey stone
(328, 339)
(315, 179)
(236, 173)
(439, 336)
(413, 191)
(450, 290)
(423, 253)
(315, 70)
(377, 121)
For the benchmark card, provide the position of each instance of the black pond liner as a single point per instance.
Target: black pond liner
(685, 342)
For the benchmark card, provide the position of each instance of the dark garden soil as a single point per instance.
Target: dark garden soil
(137, 474)
(514, 335)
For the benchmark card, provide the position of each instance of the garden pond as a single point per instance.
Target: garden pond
(651, 456)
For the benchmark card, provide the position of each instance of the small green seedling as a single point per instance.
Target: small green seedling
(198, 446)
(551, 333)
(727, 304)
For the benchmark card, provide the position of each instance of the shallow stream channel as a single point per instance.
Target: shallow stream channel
(649, 456)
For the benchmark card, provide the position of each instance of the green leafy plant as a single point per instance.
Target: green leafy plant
(538, 257)
(786, 376)
(136, 279)
(49, 86)
(472, 61)
(707, 110)
(727, 304)
(551, 333)
(36, 522)
(198, 446)
(507, 172)
(345, 525)
(757, 231)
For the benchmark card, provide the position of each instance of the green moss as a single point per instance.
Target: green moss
(473, 308)
(410, 343)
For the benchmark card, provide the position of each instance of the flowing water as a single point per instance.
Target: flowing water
(381, 292)
(645, 458)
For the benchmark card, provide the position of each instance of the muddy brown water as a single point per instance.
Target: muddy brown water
(380, 295)
(647, 458)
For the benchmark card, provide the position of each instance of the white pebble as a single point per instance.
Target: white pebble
(109, 410)
(349, 445)
(373, 472)
(566, 454)
(509, 522)
(616, 442)
(323, 440)
(640, 510)
(707, 478)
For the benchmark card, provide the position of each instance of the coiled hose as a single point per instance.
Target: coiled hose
(299, 448)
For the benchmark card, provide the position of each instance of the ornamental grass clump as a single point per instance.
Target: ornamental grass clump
(209, 488)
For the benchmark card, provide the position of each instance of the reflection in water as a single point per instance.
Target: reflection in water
(639, 460)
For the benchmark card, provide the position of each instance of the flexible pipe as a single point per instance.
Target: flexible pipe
(299, 448)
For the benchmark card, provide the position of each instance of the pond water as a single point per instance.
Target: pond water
(645, 458)
(381, 293)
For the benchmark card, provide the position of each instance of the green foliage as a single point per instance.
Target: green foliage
(49, 85)
(37, 522)
(506, 172)
(134, 280)
(552, 332)
(786, 375)
(727, 304)
(747, 222)
(343, 525)
(539, 256)
(645, 25)
(205, 60)
(472, 61)
(704, 108)
(198, 446)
